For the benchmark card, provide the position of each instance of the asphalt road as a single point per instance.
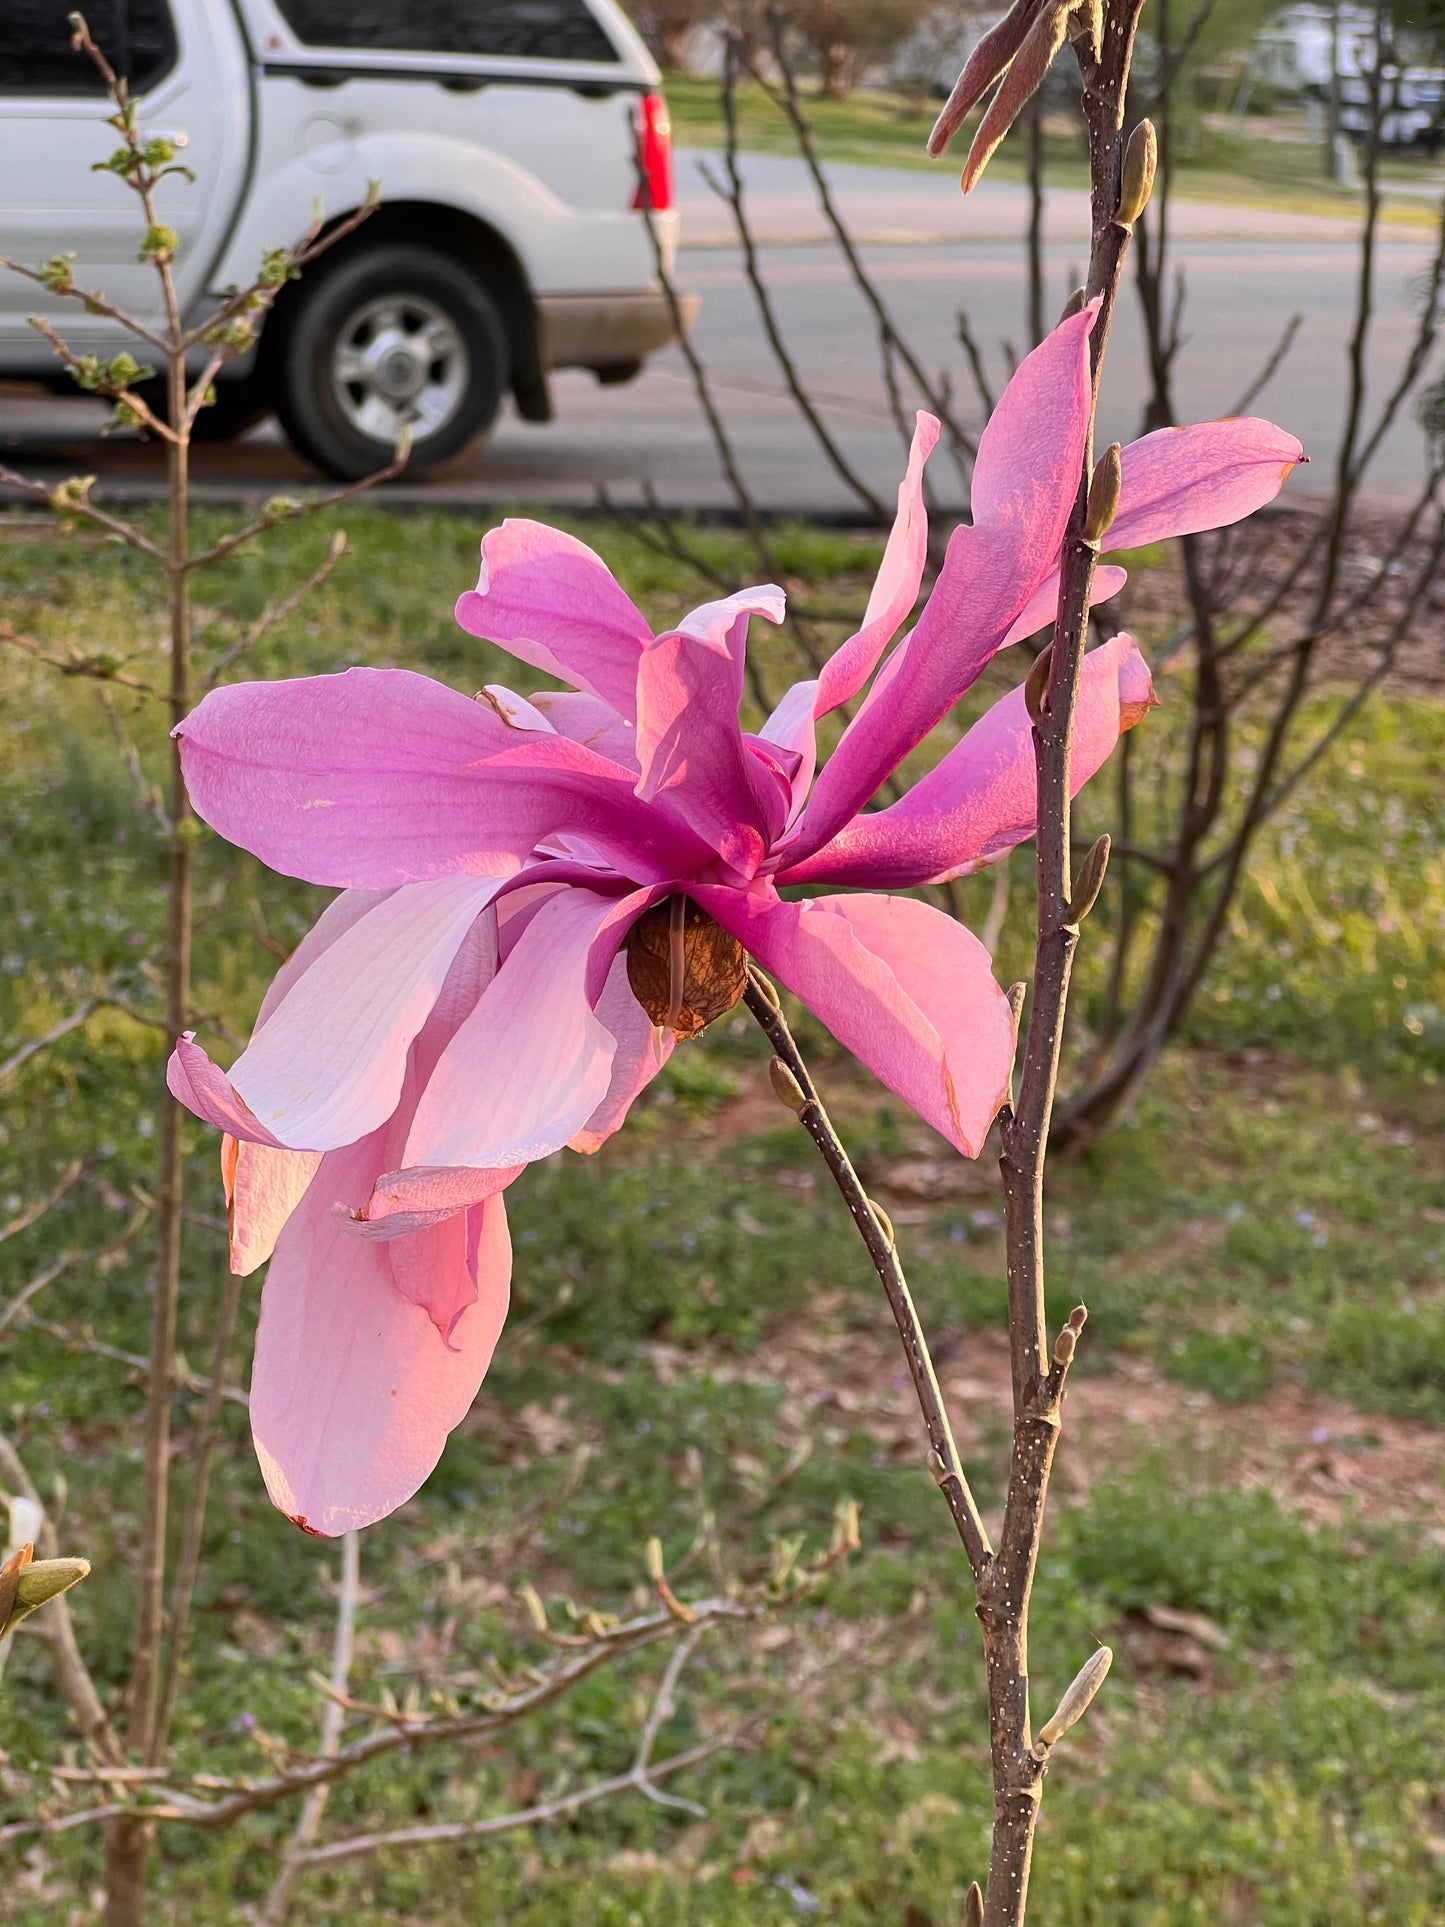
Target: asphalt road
(929, 253)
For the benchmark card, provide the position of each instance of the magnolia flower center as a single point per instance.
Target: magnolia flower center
(685, 970)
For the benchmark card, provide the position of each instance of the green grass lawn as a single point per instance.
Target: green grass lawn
(698, 1350)
(873, 128)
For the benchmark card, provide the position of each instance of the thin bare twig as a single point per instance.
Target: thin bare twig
(277, 612)
(308, 1823)
(68, 499)
(31, 1213)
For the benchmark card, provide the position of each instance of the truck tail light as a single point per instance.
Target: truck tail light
(654, 155)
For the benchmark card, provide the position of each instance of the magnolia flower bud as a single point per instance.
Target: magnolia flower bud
(1074, 305)
(973, 1906)
(1037, 682)
(27, 1582)
(1089, 881)
(786, 1087)
(1104, 488)
(1075, 1703)
(1136, 184)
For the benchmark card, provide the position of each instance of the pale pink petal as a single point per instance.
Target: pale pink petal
(549, 600)
(638, 1059)
(335, 920)
(193, 1080)
(354, 1388)
(1025, 481)
(381, 776)
(905, 988)
(1179, 481)
(263, 1188)
(411, 1199)
(690, 748)
(1043, 604)
(531, 1064)
(980, 800)
(326, 1067)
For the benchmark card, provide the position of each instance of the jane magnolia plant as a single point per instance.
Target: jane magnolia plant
(541, 895)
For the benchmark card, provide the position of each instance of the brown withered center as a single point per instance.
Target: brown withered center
(714, 975)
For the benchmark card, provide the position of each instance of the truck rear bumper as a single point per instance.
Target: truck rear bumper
(605, 331)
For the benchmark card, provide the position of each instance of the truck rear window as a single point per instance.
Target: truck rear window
(136, 37)
(522, 29)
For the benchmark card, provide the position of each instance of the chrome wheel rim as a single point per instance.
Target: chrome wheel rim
(399, 361)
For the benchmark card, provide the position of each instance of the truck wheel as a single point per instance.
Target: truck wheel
(390, 336)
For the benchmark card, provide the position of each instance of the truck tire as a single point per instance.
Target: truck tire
(384, 336)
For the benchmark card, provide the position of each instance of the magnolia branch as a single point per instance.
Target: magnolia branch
(166, 1801)
(796, 1088)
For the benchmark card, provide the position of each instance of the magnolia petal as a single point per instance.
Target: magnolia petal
(1025, 480)
(591, 722)
(906, 989)
(193, 1080)
(1043, 605)
(326, 1067)
(689, 744)
(1179, 481)
(638, 1059)
(981, 798)
(552, 602)
(531, 1064)
(380, 776)
(354, 1388)
(413, 1198)
(263, 1188)
(895, 588)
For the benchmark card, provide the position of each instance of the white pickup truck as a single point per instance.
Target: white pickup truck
(513, 140)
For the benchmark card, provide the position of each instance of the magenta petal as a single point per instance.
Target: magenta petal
(530, 1065)
(380, 776)
(591, 722)
(549, 600)
(1178, 481)
(263, 1188)
(895, 589)
(980, 800)
(908, 990)
(1025, 481)
(326, 1066)
(638, 1058)
(354, 1388)
(1043, 605)
(690, 748)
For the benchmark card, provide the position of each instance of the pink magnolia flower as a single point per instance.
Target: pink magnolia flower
(516, 873)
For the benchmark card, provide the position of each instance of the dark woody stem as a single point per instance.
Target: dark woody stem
(1038, 1379)
(798, 1090)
